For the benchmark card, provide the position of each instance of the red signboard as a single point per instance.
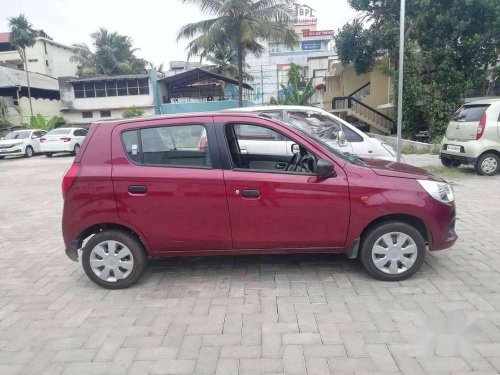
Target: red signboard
(309, 33)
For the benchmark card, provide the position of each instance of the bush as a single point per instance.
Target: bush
(132, 112)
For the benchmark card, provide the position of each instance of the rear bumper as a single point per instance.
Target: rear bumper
(72, 250)
(54, 148)
(460, 158)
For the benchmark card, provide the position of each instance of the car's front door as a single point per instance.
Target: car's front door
(35, 140)
(168, 187)
(281, 208)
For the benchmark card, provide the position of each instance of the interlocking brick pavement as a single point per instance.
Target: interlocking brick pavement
(293, 314)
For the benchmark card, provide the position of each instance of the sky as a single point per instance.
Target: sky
(152, 24)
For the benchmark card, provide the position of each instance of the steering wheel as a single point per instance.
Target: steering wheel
(292, 161)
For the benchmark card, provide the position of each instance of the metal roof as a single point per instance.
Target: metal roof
(189, 77)
(14, 78)
(109, 78)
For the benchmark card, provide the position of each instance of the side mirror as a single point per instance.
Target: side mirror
(325, 169)
(295, 148)
(342, 138)
(34, 137)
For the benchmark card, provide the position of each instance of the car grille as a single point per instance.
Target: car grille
(6, 146)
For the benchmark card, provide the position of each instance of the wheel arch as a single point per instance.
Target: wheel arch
(490, 151)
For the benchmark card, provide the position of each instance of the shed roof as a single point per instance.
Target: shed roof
(189, 77)
(109, 78)
(14, 78)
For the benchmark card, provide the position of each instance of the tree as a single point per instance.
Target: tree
(40, 122)
(241, 25)
(450, 46)
(22, 35)
(132, 112)
(298, 91)
(113, 55)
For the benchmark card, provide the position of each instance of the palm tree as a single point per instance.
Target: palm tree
(242, 25)
(22, 35)
(298, 91)
(113, 55)
(224, 61)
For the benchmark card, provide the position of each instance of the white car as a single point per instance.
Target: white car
(21, 143)
(63, 140)
(331, 129)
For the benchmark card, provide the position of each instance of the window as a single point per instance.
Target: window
(87, 114)
(469, 113)
(47, 63)
(122, 87)
(100, 89)
(59, 131)
(32, 60)
(79, 92)
(45, 47)
(105, 113)
(111, 88)
(316, 124)
(144, 86)
(351, 135)
(80, 133)
(276, 153)
(133, 87)
(176, 146)
(89, 89)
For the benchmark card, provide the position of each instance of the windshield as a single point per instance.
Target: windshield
(22, 134)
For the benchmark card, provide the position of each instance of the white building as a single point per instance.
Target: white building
(315, 47)
(86, 100)
(45, 57)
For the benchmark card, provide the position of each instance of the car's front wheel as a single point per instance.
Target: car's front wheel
(76, 149)
(113, 259)
(488, 164)
(29, 152)
(393, 251)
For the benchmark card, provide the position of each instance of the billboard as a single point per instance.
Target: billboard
(311, 33)
(304, 15)
(313, 45)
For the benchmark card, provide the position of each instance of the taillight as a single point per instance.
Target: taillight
(42, 140)
(69, 178)
(481, 126)
(203, 144)
(65, 139)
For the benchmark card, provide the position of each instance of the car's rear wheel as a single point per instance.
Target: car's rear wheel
(113, 259)
(76, 149)
(488, 164)
(48, 154)
(29, 152)
(450, 163)
(393, 251)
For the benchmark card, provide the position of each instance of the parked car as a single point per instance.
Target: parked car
(156, 188)
(21, 143)
(330, 128)
(63, 140)
(473, 137)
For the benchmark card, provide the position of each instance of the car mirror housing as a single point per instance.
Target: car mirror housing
(325, 169)
(295, 148)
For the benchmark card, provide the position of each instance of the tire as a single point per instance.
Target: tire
(76, 149)
(450, 163)
(135, 259)
(48, 154)
(29, 152)
(2, 157)
(372, 249)
(487, 165)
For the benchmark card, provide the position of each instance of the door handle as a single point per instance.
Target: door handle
(280, 165)
(250, 193)
(137, 189)
(243, 150)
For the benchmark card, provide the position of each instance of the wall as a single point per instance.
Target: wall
(45, 107)
(75, 117)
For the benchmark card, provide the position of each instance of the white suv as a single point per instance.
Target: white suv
(21, 143)
(331, 129)
(63, 140)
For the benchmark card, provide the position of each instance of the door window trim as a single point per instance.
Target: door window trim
(141, 154)
(278, 171)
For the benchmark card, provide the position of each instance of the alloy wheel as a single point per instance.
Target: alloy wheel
(394, 253)
(489, 165)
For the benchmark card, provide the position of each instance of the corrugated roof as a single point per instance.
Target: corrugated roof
(14, 78)
(197, 75)
(109, 78)
(4, 37)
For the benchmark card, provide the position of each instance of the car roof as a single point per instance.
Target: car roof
(483, 101)
(275, 108)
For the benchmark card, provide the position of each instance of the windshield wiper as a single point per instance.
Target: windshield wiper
(355, 159)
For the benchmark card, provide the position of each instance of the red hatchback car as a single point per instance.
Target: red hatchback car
(181, 185)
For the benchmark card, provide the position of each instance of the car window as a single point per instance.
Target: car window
(257, 133)
(351, 135)
(59, 132)
(21, 134)
(176, 145)
(316, 124)
(469, 113)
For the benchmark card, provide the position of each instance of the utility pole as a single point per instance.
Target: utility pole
(262, 83)
(400, 77)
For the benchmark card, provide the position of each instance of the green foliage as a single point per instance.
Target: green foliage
(4, 123)
(112, 55)
(241, 24)
(298, 91)
(40, 122)
(21, 34)
(132, 112)
(449, 47)
(224, 61)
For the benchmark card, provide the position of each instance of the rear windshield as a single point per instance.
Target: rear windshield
(468, 113)
(59, 131)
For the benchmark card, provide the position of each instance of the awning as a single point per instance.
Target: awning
(192, 76)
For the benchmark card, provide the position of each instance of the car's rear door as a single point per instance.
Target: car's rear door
(168, 187)
(272, 208)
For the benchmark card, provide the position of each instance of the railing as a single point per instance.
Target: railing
(360, 108)
(361, 92)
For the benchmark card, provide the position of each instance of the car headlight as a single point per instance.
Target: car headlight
(17, 144)
(389, 148)
(440, 191)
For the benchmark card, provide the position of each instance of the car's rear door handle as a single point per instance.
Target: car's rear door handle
(250, 193)
(137, 189)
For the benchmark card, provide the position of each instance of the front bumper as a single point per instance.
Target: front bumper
(14, 151)
(72, 250)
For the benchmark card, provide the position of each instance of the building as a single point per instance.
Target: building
(14, 91)
(86, 100)
(45, 57)
(312, 54)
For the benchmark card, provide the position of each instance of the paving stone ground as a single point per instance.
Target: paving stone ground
(293, 314)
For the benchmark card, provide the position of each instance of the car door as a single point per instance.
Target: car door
(35, 140)
(168, 187)
(278, 209)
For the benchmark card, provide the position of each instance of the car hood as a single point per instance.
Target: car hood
(394, 169)
(8, 142)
